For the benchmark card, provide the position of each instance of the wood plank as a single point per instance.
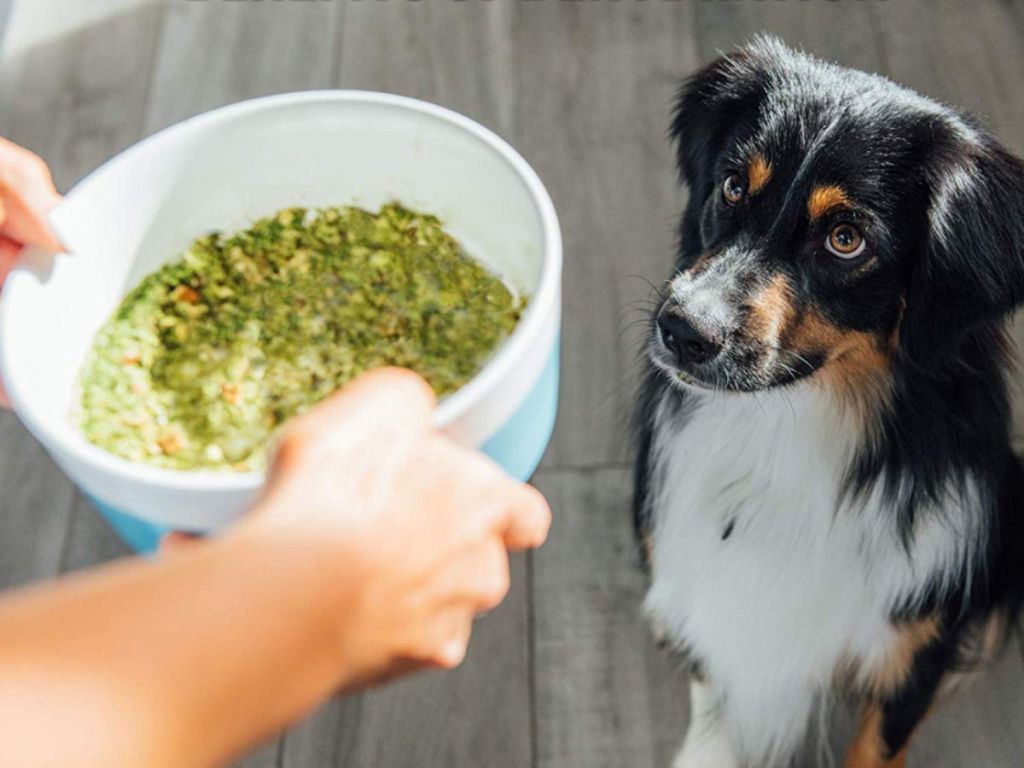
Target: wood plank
(35, 507)
(217, 53)
(455, 55)
(77, 76)
(479, 714)
(595, 88)
(837, 30)
(606, 696)
(91, 541)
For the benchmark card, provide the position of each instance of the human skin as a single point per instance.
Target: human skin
(376, 544)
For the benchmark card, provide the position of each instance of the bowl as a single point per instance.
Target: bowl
(226, 168)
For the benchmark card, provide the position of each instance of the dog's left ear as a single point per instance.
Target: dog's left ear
(709, 106)
(971, 268)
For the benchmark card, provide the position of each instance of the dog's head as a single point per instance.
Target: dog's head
(838, 225)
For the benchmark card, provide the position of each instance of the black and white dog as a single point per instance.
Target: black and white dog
(825, 485)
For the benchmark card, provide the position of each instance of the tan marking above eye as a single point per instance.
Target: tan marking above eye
(825, 199)
(759, 171)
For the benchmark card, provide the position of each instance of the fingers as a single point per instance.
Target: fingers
(452, 630)
(527, 519)
(366, 415)
(520, 514)
(28, 195)
(478, 579)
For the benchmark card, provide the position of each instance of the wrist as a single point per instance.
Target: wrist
(318, 581)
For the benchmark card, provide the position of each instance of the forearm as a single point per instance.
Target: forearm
(184, 661)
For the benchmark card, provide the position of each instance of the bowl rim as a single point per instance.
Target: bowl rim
(528, 331)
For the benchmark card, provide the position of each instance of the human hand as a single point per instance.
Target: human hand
(26, 195)
(418, 527)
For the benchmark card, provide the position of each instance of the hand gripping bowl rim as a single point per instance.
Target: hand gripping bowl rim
(529, 331)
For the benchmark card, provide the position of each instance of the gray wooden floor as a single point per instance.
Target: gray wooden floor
(563, 675)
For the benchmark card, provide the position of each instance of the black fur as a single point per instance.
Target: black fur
(946, 267)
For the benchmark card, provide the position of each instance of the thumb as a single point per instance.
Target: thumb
(28, 196)
(385, 400)
(379, 397)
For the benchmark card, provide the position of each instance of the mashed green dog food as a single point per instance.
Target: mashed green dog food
(204, 359)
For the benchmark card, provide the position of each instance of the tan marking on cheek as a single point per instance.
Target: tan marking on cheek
(771, 311)
(892, 671)
(825, 199)
(857, 364)
(759, 171)
(868, 749)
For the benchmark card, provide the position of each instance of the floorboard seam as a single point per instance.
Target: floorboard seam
(339, 30)
(65, 546)
(162, 9)
(555, 469)
(531, 659)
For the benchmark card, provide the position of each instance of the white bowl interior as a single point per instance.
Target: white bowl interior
(228, 168)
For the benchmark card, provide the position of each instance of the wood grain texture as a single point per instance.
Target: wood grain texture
(605, 695)
(75, 76)
(36, 502)
(217, 53)
(455, 54)
(596, 85)
(90, 541)
(838, 30)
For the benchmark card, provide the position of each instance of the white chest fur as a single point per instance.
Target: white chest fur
(798, 585)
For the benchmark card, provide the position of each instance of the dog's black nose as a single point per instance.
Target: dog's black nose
(687, 343)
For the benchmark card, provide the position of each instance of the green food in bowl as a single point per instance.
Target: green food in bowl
(210, 354)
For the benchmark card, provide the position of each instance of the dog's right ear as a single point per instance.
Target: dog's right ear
(712, 104)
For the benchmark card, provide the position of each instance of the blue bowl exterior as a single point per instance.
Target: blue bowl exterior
(518, 447)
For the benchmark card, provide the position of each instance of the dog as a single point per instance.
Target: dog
(825, 486)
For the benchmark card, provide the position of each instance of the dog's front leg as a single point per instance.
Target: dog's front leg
(707, 744)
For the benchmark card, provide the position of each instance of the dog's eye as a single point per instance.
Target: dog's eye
(733, 189)
(845, 241)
